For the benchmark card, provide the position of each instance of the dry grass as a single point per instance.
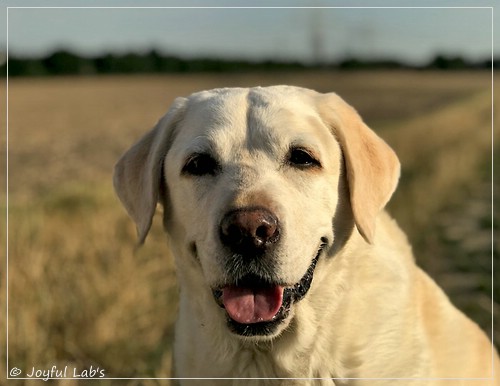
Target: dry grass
(440, 152)
(78, 293)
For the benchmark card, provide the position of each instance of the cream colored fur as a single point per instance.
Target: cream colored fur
(370, 312)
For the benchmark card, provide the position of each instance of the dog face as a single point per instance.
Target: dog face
(239, 186)
(257, 186)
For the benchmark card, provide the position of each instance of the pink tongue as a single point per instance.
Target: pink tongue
(252, 305)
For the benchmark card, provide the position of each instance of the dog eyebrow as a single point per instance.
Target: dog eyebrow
(200, 144)
(306, 141)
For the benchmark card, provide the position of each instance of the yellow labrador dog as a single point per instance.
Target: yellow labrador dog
(288, 265)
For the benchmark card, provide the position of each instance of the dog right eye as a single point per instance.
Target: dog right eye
(201, 164)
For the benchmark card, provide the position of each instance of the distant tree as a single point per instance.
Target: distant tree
(442, 62)
(104, 64)
(63, 63)
(67, 63)
(359, 64)
(26, 67)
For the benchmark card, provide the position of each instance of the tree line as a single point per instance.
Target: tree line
(67, 63)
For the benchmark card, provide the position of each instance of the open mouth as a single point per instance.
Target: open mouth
(255, 306)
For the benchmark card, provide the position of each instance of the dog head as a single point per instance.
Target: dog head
(257, 185)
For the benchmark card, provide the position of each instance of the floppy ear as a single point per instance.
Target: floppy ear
(372, 166)
(138, 173)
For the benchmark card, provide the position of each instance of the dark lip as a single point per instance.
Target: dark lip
(291, 294)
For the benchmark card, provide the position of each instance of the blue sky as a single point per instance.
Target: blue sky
(410, 34)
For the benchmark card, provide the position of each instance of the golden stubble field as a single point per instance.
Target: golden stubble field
(81, 296)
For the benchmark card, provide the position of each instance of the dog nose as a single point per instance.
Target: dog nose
(249, 231)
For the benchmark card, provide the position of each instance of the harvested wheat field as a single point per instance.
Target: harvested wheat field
(81, 296)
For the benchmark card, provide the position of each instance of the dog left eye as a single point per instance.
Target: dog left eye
(201, 165)
(302, 158)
